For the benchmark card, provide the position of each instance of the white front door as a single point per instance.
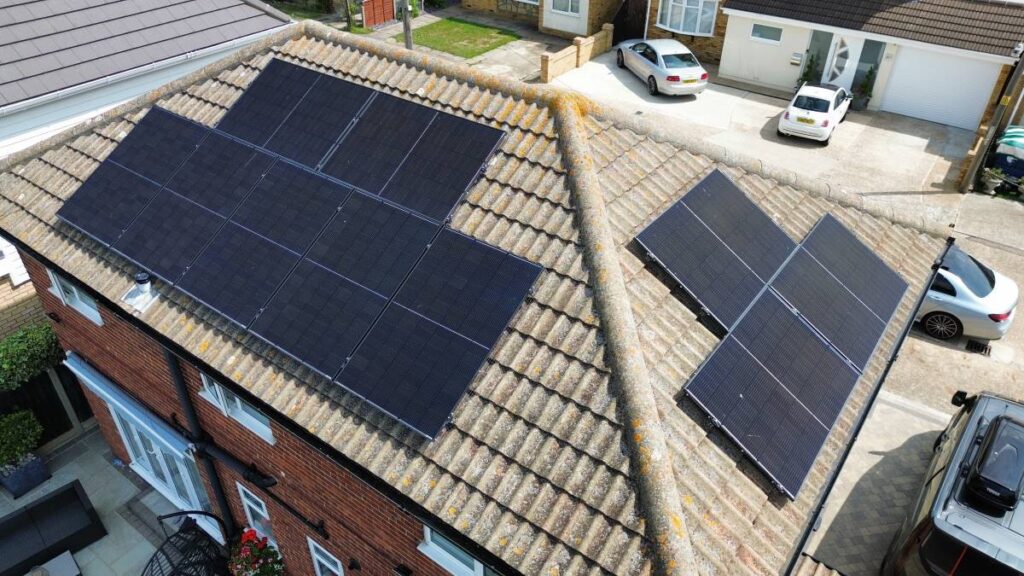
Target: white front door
(841, 64)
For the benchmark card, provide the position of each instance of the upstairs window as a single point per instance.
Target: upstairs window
(690, 17)
(324, 563)
(451, 556)
(71, 296)
(256, 514)
(234, 407)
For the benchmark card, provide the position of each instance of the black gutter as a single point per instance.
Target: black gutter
(820, 506)
(230, 526)
(404, 503)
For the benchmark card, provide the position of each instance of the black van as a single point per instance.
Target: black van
(965, 521)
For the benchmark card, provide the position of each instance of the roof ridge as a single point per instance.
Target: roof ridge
(657, 492)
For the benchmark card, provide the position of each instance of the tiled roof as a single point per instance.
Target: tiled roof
(549, 447)
(50, 45)
(978, 25)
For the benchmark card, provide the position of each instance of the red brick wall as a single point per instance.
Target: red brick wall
(361, 523)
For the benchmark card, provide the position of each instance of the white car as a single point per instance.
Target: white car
(666, 66)
(968, 298)
(815, 112)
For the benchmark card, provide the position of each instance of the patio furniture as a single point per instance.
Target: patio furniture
(61, 521)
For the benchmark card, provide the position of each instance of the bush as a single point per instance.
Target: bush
(19, 436)
(27, 353)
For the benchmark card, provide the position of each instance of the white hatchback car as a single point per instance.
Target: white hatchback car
(815, 112)
(968, 298)
(666, 66)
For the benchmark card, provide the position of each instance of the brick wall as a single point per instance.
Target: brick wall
(18, 306)
(361, 523)
(707, 48)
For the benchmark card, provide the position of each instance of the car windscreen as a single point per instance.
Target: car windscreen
(976, 276)
(680, 61)
(810, 103)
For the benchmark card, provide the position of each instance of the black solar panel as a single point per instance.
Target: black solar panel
(379, 142)
(770, 425)
(856, 266)
(701, 263)
(318, 120)
(372, 243)
(290, 206)
(238, 273)
(107, 202)
(830, 307)
(220, 173)
(168, 235)
(267, 101)
(413, 369)
(468, 286)
(318, 317)
(806, 365)
(461, 146)
(158, 144)
(744, 227)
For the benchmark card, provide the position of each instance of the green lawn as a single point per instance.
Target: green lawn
(461, 38)
(297, 11)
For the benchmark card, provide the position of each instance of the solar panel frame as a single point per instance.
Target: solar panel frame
(111, 195)
(158, 145)
(267, 101)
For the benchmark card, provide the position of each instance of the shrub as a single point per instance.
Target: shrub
(19, 436)
(27, 353)
(253, 556)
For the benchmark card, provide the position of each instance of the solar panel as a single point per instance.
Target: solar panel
(468, 286)
(379, 142)
(318, 317)
(458, 145)
(805, 364)
(856, 266)
(158, 144)
(220, 173)
(267, 101)
(829, 307)
(373, 243)
(238, 273)
(701, 263)
(290, 206)
(769, 424)
(413, 369)
(740, 224)
(318, 120)
(108, 202)
(168, 235)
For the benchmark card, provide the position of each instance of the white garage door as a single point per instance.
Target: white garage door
(943, 88)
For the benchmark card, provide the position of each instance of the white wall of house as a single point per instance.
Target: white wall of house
(566, 22)
(759, 61)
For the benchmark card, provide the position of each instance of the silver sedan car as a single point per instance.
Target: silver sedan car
(666, 66)
(968, 298)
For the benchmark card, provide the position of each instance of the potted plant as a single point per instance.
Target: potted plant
(254, 556)
(20, 469)
(862, 94)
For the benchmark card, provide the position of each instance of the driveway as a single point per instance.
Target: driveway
(883, 155)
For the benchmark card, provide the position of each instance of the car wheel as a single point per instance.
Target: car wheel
(652, 86)
(620, 60)
(942, 326)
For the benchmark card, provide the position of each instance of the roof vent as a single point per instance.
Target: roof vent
(994, 480)
(141, 295)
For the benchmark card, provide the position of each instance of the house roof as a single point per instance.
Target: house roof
(50, 45)
(981, 26)
(573, 451)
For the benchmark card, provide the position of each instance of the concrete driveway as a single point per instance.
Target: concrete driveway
(883, 155)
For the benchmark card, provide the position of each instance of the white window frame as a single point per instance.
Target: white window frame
(682, 6)
(530, 2)
(70, 295)
(235, 408)
(318, 552)
(766, 40)
(445, 560)
(567, 12)
(252, 503)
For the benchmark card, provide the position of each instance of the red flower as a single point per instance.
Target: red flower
(249, 535)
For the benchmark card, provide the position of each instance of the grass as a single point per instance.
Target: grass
(460, 38)
(297, 11)
(360, 30)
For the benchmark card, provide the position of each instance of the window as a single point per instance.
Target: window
(234, 407)
(71, 296)
(674, 61)
(533, 2)
(692, 17)
(810, 103)
(324, 564)
(943, 286)
(566, 6)
(256, 514)
(976, 276)
(766, 33)
(451, 556)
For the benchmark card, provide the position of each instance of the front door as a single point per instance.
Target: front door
(841, 64)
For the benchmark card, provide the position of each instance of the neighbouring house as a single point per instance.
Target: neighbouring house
(699, 24)
(574, 449)
(565, 18)
(18, 303)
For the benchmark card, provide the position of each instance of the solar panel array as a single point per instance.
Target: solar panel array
(803, 321)
(304, 221)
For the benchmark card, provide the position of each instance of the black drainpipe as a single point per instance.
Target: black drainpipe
(813, 521)
(197, 433)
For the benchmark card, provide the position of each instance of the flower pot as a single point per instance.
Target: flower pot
(860, 103)
(30, 474)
